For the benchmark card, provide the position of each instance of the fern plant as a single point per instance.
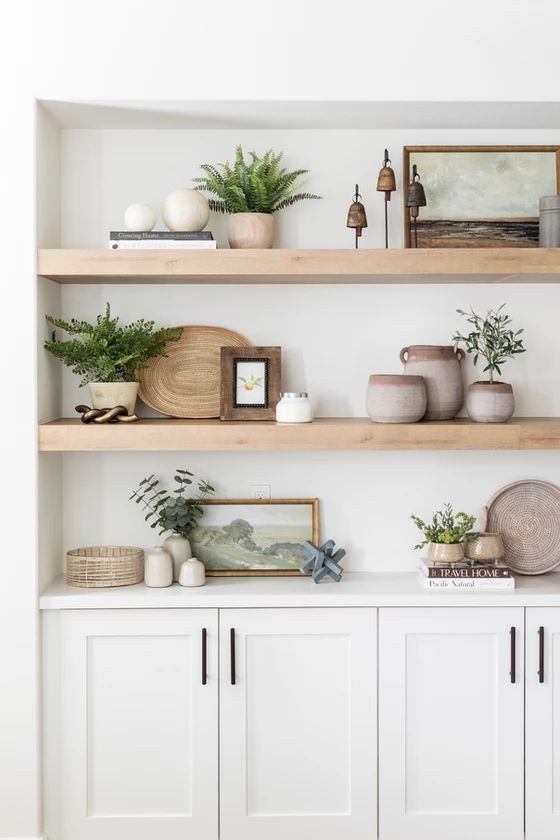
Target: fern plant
(177, 511)
(260, 186)
(105, 351)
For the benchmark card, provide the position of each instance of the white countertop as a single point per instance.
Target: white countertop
(356, 589)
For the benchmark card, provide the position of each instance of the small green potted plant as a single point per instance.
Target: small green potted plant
(492, 339)
(175, 511)
(108, 355)
(251, 193)
(445, 535)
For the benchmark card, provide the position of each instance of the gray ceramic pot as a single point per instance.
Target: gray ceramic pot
(490, 403)
(439, 365)
(396, 399)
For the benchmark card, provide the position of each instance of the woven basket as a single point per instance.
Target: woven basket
(527, 515)
(186, 382)
(105, 565)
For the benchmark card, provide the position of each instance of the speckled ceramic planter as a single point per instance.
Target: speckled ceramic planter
(490, 403)
(396, 399)
(446, 553)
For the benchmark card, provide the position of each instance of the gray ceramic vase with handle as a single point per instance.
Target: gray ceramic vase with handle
(440, 366)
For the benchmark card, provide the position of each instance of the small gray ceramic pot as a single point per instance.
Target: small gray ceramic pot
(446, 552)
(396, 398)
(490, 402)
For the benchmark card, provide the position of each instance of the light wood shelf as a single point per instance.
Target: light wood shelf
(367, 266)
(342, 434)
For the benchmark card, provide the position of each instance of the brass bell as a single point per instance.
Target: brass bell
(415, 199)
(357, 218)
(386, 183)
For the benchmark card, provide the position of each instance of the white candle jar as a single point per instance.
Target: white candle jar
(294, 408)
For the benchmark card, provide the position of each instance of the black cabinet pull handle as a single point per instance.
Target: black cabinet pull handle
(541, 654)
(204, 655)
(232, 655)
(512, 654)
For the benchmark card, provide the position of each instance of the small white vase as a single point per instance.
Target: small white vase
(192, 573)
(110, 394)
(180, 550)
(158, 567)
(251, 230)
(490, 403)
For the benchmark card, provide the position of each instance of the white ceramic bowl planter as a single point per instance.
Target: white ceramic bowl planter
(251, 230)
(446, 552)
(110, 394)
(490, 402)
(396, 398)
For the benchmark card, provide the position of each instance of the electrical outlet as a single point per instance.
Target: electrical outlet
(259, 491)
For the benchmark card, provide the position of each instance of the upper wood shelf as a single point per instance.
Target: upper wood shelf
(438, 265)
(70, 435)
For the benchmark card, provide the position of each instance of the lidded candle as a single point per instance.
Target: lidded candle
(294, 407)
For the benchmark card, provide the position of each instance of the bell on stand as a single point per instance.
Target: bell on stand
(415, 199)
(357, 218)
(386, 183)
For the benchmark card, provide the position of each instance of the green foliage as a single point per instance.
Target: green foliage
(446, 527)
(107, 352)
(261, 186)
(176, 511)
(492, 338)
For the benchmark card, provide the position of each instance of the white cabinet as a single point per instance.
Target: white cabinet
(131, 725)
(542, 751)
(298, 724)
(451, 694)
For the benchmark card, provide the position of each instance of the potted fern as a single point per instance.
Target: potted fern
(251, 193)
(107, 355)
(492, 339)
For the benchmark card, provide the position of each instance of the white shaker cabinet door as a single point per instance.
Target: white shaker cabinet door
(542, 748)
(451, 724)
(137, 725)
(298, 724)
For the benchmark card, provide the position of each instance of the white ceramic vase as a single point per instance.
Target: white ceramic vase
(110, 394)
(185, 210)
(446, 552)
(180, 550)
(251, 230)
(192, 573)
(158, 567)
(396, 398)
(490, 403)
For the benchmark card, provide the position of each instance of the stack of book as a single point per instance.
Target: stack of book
(463, 576)
(119, 239)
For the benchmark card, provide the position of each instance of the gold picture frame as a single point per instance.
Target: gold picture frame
(246, 550)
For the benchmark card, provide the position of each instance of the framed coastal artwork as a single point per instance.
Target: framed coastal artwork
(250, 383)
(481, 196)
(255, 536)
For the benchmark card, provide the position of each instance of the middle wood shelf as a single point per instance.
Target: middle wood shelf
(336, 434)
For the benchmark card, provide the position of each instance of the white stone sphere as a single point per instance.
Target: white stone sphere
(139, 217)
(185, 210)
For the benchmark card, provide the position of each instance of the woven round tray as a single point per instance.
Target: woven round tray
(186, 383)
(104, 565)
(527, 515)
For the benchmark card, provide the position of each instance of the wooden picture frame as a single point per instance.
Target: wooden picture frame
(210, 539)
(490, 231)
(250, 383)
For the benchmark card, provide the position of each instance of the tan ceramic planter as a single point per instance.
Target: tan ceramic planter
(251, 230)
(446, 553)
(110, 394)
(396, 399)
(488, 403)
(485, 548)
(439, 365)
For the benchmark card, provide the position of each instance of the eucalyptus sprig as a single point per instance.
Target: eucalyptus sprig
(446, 527)
(172, 511)
(260, 186)
(107, 351)
(492, 338)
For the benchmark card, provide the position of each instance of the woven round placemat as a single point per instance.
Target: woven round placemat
(527, 515)
(186, 383)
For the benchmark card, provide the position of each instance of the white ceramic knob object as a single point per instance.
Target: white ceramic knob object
(139, 217)
(185, 210)
(192, 573)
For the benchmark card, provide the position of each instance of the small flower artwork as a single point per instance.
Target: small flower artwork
(250, 382)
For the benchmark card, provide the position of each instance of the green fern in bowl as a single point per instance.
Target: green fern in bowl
(261, 185)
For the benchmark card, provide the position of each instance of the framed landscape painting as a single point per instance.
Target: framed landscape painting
(481, 196)
(255, 536)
